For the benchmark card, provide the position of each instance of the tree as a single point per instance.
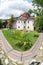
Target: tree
(12, 19)
(0, 23)
(5, 24)
(30, 11)
(38, 3)
(38, 12)
(38, 23)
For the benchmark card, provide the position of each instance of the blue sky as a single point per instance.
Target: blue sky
(15, 7)
(29, 0)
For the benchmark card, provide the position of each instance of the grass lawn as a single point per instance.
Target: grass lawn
(21, 40)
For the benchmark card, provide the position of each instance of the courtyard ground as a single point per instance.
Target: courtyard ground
(7, 61)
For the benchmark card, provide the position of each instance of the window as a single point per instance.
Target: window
(28, 21)
(18, 21)
(24, 21)
(18, 26)
(28, 26)
(24, 26)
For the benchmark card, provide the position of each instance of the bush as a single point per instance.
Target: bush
(19, 44)
(27, 46)
(36, 35)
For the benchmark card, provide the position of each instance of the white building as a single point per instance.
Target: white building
(24, 22)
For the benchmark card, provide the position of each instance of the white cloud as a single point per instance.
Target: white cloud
(15, 7)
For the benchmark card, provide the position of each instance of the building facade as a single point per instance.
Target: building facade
(24, 22)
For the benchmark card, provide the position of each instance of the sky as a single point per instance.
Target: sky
(15, 7)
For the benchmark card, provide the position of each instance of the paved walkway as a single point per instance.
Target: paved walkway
(5, 60)
(20, 56)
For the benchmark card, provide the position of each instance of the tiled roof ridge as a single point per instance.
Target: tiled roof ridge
(25, 16)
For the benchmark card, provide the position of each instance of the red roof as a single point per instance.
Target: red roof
(25, 16)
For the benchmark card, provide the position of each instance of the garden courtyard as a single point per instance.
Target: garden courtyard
(3, 56)
(21, 40)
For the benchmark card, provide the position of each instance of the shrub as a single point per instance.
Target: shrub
(19, 44)
(27, 46)
(36, 35)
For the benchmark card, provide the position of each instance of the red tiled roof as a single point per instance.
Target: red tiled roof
(25, 16)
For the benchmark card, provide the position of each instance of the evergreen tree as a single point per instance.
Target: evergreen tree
(12, 19)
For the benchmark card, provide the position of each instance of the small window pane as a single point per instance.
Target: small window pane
(24, 26)
(24, 21)
(18, 26)
(28, 26)
(18, 21)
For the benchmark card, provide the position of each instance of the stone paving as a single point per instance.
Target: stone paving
(7, 61)
(20, 56)
(39, 56)
(4, 58)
